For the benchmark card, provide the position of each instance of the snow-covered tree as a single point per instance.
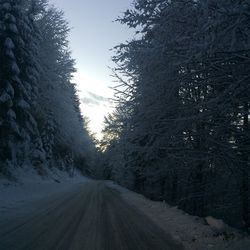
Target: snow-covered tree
(40, 119)
(187, 92)
(20, 76)
(58, 101)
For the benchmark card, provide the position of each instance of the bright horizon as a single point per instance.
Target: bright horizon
(90, 45)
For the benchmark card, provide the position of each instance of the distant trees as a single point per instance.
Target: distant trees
(40, 119)
(59, 103)
(181, 128)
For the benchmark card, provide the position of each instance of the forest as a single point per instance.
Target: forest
(40, 120)
(180, 129)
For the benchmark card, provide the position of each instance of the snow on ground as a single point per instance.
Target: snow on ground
(29, 186)
(192, 231)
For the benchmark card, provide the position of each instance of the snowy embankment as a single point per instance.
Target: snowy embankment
(193, 232)
(29, 187)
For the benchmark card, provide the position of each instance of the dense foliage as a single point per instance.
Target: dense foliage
(40, 120)
(180, 131)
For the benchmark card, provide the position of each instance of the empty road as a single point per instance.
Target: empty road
(90, 216)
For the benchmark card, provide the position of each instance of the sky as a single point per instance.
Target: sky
(93, 34)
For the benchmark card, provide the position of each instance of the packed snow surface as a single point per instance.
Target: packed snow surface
(193, 232)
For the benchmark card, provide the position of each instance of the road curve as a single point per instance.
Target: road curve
(89, 217)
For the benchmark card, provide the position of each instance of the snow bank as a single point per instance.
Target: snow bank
(30, 186)
(193, 232)
(217, 225)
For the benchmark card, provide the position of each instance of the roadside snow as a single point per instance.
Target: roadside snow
(193, 232)
(30, 187)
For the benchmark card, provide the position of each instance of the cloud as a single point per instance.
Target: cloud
(98, 97)
(95, 100)
(90, 101)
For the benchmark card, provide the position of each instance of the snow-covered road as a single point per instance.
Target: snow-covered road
(89, 215)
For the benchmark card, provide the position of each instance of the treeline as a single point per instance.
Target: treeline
(180, 131)
(40, 120)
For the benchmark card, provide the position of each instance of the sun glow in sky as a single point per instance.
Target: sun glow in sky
(95, 100)
(93, 35)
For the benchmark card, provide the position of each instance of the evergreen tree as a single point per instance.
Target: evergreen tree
(20, 74)
(40, 120)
